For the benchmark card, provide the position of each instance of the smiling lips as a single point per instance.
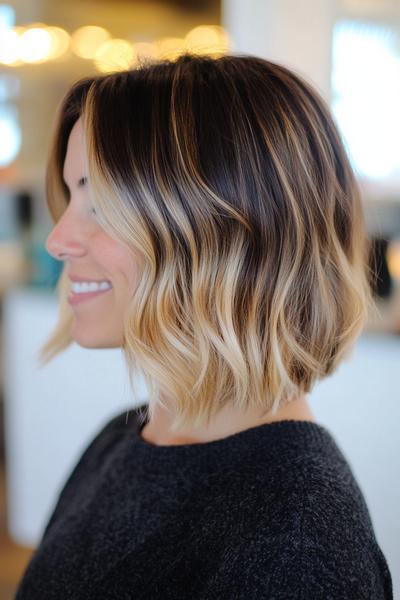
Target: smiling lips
(85, 290)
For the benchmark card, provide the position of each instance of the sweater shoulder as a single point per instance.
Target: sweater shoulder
(304, 534)
(311, 534)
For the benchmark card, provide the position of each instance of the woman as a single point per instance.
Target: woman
(211, 227)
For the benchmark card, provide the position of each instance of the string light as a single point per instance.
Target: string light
(39, 43)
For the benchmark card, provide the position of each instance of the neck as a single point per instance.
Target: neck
(227, 422)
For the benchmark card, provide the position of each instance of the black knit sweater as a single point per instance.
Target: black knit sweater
(273, 512)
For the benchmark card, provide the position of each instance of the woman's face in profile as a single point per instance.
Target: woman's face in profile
(103, 272)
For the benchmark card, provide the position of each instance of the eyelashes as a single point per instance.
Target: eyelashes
(80, 183)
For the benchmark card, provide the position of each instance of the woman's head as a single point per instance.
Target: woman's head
(227, 220)
(102, 272)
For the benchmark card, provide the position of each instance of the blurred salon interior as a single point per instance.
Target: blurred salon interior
(350, 50)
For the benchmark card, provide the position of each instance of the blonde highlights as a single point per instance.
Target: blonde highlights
(228, 176)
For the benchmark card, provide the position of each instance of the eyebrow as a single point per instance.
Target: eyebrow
(80, 181)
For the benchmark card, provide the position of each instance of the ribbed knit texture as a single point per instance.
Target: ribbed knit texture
(273, 512)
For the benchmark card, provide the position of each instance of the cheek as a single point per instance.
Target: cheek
(129, 270)
(124, 266)
(133, 275)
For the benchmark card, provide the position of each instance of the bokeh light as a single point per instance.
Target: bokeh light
(207, 39)
(34, 45)
(86, 40)
(170, 47)
(9, 46)
(60, 41)
(145, 50)
(115, 55)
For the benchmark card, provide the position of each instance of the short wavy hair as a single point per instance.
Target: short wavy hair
(229, 176)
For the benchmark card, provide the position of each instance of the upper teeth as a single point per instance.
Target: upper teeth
(82, 287)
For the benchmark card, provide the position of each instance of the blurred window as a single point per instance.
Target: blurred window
(10, 131)
(7, 15)
(10, 134)
(366, 96)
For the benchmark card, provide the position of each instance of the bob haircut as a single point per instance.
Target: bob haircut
(229, 176)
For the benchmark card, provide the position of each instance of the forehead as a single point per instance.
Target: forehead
(74, 158)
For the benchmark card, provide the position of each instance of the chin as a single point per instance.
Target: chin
(95, 341)
(94, 344)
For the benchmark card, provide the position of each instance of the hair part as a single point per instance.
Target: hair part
(228, 175)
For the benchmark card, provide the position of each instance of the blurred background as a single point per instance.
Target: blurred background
(350, 50)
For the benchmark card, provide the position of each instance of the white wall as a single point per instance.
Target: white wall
(296, 34)
(50, 413)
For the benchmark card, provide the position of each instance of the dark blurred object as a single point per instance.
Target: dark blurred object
(184, 5)
(382, 284)
(24, 209)
(43, 269)
(197, 5)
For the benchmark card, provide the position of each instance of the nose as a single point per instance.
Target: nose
(64, 240)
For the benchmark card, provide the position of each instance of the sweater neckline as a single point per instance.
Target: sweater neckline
(269, 440)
